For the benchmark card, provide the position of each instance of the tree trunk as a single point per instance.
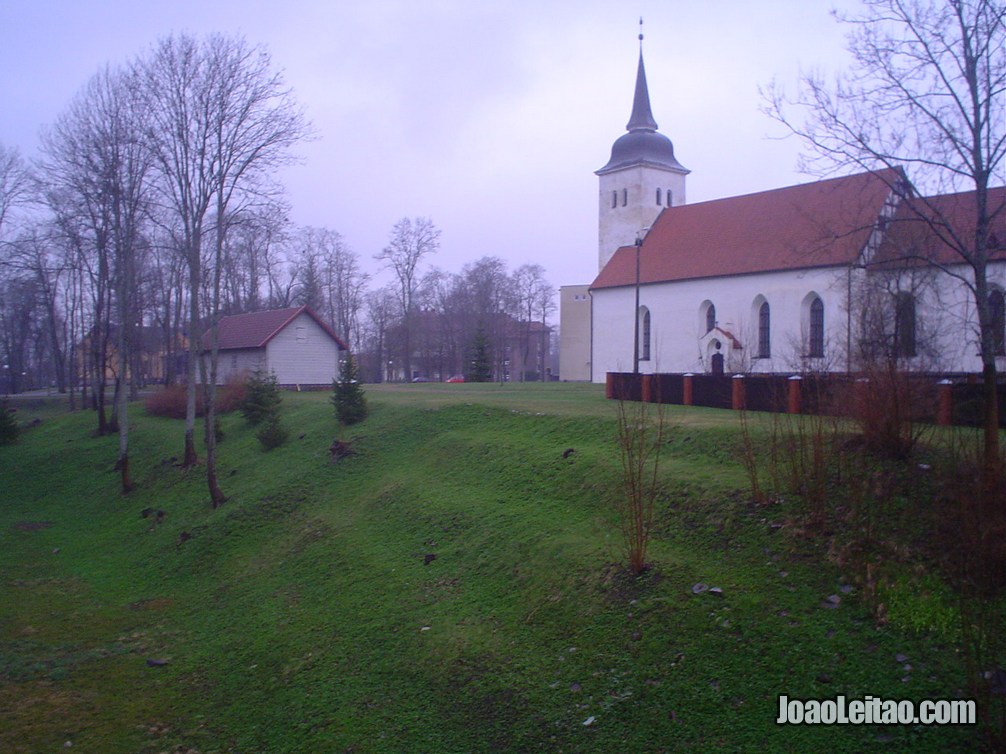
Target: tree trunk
(190, 458)
(121, 394)
(216, 495)
(992, 462)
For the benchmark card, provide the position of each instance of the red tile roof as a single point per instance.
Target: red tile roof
(811, 225)
(256, 329)
(935, 228)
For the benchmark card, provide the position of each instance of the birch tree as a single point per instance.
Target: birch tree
(221, 122)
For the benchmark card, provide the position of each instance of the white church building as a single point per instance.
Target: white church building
(796, 279)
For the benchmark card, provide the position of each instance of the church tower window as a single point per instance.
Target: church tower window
(614, 199)
(625, 197)
(658, 197)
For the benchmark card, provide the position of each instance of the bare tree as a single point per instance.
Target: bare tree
(925, 95)
(492, 303)
(96, 172)
(34, 255)
(380, 306)
(15, 184)
(221, 122)
(534, 295)
(411, 240)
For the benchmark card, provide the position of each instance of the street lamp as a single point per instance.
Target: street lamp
(640, 235)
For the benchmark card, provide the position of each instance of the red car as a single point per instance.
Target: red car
(456, 378)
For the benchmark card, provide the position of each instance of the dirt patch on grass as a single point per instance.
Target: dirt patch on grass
(619, 584)
(32, 525)
(153, 603)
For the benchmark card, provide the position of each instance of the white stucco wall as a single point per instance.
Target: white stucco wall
(680, 343)
(947, 331)
(947, 321)
(239, 362)
(303, 354)
(617, 226)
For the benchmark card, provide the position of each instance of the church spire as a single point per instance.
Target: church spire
(642, 115)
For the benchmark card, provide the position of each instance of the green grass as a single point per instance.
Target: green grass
(301, 617)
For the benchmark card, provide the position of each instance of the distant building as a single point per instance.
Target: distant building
(441, 348)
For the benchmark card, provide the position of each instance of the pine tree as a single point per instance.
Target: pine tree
(347, 394)
(272, 433)
(480, 365)
(262, 397)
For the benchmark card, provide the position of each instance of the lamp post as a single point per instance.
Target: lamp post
(640, 234)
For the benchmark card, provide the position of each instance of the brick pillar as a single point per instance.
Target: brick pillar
(687, 397)
(609, 386)
(646, 389)
(945, 405)
(795, 383)
(737, 394)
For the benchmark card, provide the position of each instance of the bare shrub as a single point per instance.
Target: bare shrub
(642, 432)
(169, 402)
(888, 405)
(970, 545)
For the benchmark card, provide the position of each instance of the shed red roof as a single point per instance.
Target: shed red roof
(256, 329)
(811, 225)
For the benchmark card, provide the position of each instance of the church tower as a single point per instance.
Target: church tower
(641, 178)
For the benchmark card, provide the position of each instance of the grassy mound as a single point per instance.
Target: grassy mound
(453, 584)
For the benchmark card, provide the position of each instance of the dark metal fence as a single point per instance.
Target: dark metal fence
(944, 399)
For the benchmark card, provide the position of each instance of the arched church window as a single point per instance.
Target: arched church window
(904, 325)
(997, 318)
(816, 349)
(764, 337)
(644, 334)
(710, 317)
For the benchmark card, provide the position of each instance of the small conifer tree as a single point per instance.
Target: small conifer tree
(480, 365)
(272, 433)
(347, 394)
(262, 397)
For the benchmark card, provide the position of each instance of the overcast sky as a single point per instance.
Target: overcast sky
(490, 118)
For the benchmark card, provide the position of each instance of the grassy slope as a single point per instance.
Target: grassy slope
(301, 616)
